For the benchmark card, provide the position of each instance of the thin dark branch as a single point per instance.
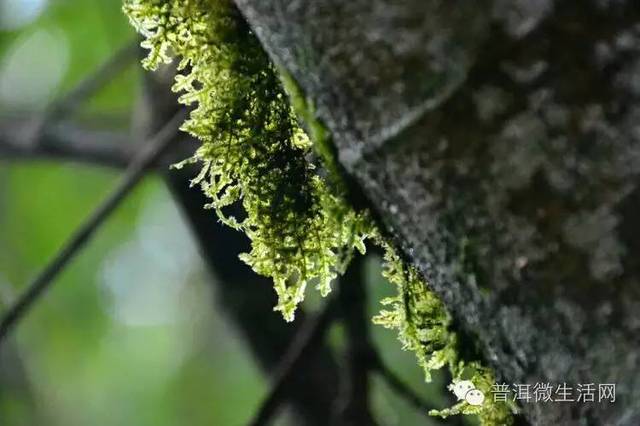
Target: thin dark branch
(71, 101)
(305, 342)
(89, 86)
(65, 142)
(399, 386)
(153, 150)
(354, 405)
(405, 392)
(71, 142)
(247, 298)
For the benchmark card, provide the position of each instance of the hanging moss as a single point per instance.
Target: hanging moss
(254, 152)
(418, 315)
(424, 327)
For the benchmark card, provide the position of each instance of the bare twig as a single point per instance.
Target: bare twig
(35, 138)
(246, 299)
(73, 143)
(69, 103)
(88, 87)
(133, 174)
(66, 142)
(363, 356)
(354, 408)
(400, 387)
(308, 338)
(403, 390)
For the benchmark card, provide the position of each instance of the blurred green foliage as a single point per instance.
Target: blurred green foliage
(73, 361)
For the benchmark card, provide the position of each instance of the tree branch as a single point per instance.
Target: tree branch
(65, 142)
(354, 406)
(134, 173)
(90, 85)
(33, 136)
(75, 143)
(247, 299)
(399, 387)
(405, 392)
(308, 338)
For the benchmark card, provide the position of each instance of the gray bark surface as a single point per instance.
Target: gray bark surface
(498, 141)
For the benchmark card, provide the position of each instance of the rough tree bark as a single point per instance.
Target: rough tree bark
(499, 142)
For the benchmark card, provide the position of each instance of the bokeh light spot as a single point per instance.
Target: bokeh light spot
(15, 14)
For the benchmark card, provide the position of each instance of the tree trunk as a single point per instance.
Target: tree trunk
(498, 141)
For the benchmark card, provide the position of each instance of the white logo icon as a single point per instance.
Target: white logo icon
(465, 389)
(474, 397)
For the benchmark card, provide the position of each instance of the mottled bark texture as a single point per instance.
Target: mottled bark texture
(499, 142)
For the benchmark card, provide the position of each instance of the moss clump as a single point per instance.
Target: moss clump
(418, 315)
(253, 151)
(490, 413)
(424, 327)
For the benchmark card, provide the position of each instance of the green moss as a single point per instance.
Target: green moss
(490, 413)
(424, 327)
(317, 131)
(418, 315)
(254, 152)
